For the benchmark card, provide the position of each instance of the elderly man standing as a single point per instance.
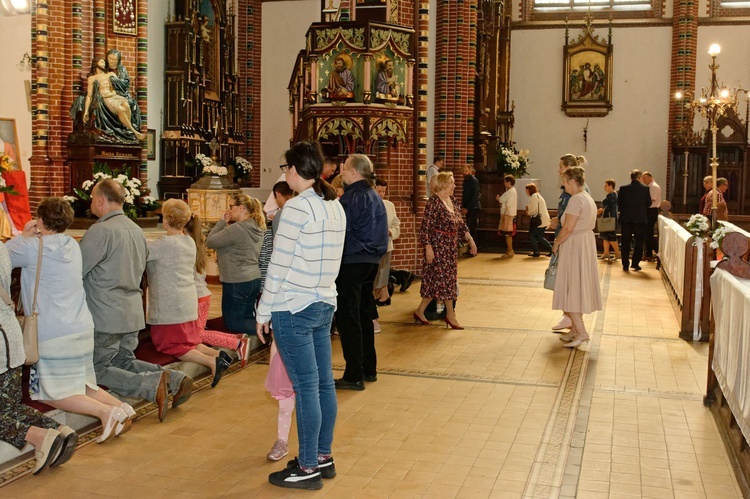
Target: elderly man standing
(114, 258)
(652, 214)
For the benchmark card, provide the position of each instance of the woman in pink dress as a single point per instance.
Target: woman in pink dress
(441, 228)
(577, 281)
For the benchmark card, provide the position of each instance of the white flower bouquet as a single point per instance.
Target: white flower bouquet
(136, 201)
(699, 226)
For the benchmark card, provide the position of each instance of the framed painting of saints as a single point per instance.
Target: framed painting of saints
(587, 74)
(9, 142)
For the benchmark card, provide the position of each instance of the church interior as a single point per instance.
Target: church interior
(209, 94)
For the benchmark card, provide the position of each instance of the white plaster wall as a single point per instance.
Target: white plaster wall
(15, 36)
(284, 28)
(633, 135)
(157, 15)
(432, 39)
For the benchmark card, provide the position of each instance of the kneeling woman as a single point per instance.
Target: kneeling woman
(64, 377)
(172, 296)
(238, 248)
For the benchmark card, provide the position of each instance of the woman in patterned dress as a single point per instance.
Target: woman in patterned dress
(441, 227)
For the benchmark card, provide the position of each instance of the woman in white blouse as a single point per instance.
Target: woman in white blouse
(539, 220)
(299, 296)
(508, 209)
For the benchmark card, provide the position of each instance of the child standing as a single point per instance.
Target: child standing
(277, 382)
(238, 342)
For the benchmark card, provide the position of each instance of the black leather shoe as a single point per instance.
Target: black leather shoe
(371, 379)
(383, 303)
(342, 384)
(407, 283)
(625, 268)
(635, 267)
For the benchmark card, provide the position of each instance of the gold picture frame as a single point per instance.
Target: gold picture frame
(587, 74)
(150, 144)
(9, 138)
(125, 17)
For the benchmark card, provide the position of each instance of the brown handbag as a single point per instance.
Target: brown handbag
(29, 322)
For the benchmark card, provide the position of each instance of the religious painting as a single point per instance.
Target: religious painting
(124, 18)
(150, 144)
(205, 25)
(337, 76)
(587, 75)
(9, 143)
(390, 78)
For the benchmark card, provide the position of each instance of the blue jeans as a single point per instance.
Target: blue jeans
(238, 305)
(536, 237)
(304, 343)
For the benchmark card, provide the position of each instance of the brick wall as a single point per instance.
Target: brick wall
(66, 36)
(249, 21)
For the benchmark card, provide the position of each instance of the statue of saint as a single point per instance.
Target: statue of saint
(387, 86)
(108, 100)
(340, 80)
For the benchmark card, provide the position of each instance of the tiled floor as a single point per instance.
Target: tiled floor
(497, 410)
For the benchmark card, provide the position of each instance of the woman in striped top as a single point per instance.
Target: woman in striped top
(299, 296)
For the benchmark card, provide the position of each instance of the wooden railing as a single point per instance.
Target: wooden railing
(678, 255)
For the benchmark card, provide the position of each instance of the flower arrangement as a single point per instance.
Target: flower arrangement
(7, 163)
(208, 167)
(137, 201)
(699, 226)
(215, 170)
(203, 160)
(718, 235)
(512, 161)
(242, 167)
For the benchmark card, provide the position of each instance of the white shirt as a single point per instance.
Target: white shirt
(431, 172)
(509, 202)
(538, 206)
(394, 224)
(306, 256)
(655, 191)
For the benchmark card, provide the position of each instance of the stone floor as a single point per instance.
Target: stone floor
(497, 410)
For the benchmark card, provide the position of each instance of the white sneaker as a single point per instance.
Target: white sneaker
(564, 323)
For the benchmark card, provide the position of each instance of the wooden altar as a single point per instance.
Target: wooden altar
(202, 99)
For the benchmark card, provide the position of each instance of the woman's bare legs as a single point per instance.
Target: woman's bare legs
(422, 307)
(103, 396)
(202, 355)
(580, 329)
(381, 294)
(450, 313)
(509, 244)
(83, 404)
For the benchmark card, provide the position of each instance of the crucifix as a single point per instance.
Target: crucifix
(586, 136)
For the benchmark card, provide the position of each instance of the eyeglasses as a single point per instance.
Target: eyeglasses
(284, 167)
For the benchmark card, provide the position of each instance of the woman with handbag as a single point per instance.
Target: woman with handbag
(538, 221)
(52, 285)
(20, 424)
(508, 210)
(441, 229)
(609, 211)
(577, 280)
